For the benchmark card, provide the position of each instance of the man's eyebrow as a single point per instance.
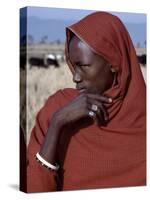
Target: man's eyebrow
(80, 63)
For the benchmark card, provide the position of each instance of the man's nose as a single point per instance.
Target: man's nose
(77, 78)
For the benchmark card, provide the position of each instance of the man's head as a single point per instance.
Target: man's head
(91, 71)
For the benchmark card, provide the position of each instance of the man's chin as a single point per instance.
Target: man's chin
(83, 91)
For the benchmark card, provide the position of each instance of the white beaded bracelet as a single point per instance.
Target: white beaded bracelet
(45, 163)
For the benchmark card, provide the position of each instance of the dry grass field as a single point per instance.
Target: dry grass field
(41, 83)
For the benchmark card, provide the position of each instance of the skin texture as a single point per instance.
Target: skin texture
(92, 73)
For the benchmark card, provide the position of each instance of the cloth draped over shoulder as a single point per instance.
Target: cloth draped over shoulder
(105, 156)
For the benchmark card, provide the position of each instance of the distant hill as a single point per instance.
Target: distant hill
(55, 29)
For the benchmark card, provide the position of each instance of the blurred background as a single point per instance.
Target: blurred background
(43, 69)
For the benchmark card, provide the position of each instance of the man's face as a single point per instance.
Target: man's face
(92, 72)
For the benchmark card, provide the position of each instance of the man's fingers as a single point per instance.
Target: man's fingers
(100, 98)
(95, 102)
(104, 113)
(100, 117)
(100, 112)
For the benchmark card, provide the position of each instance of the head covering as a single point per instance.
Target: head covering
(106, 35)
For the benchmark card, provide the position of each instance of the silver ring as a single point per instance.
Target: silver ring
(91, 113)
(94, 107)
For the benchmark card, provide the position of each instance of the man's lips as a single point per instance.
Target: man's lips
(81, 89)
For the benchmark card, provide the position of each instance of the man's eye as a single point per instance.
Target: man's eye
(84, 66)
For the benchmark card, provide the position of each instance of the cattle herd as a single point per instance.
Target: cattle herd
(44, 62)
(52, 59)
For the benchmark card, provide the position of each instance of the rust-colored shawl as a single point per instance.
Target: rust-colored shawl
(108, 37)
(106, 156)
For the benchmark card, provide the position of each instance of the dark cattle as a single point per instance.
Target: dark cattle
(39, 62)
(142, 59)
(54, 62)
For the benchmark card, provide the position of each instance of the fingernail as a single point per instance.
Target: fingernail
(110, 100)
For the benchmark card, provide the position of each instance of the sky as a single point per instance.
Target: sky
(75, 14)
(39, 19)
